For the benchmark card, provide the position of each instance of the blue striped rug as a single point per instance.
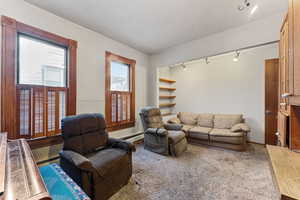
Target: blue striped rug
(60, 185)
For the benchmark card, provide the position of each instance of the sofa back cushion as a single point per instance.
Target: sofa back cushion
(188, 118)
(226, 121)
(205, 120)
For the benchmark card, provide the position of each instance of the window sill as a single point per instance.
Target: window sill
(116, 127)
(45, 141)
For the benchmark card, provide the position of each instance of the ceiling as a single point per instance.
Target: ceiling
(154, 25)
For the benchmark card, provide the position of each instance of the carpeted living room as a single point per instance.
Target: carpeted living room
(131, 100)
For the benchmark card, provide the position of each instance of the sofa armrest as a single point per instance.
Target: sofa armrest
(241, 127)
(174, 120)
(173, 127)
(78, 160)
(121, 144)
(157, 132)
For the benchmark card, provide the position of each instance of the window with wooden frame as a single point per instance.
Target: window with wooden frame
(38, 80)
(119, 92)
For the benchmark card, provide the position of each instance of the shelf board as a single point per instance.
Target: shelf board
(167, 105)
(167, 97)
(166, 88)
(167, 80)
(167, 114)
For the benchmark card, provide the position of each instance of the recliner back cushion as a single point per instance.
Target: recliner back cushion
(151, 118)
(205, 120)
(84, 133)
(188, 118)
(226, 121)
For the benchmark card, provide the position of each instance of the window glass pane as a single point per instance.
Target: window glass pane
(119, 76)
(41, 63)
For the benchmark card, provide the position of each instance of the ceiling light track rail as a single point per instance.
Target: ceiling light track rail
(206, 58)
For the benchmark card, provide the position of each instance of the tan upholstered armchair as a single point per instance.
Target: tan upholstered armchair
(166, 139)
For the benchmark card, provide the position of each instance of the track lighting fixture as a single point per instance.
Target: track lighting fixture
(183, 67)
(207, 61)
(244, 5)
(236, 56)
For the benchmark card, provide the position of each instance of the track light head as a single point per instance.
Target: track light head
(244, 5)
(183, 67)
(206, 60)
(236, 56)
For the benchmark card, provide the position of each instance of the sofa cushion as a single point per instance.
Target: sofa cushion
(225, 133)
(175, 136)
(228, 140)
(240, 127)
(186, 128)
(226, 121)
(188, 118)
(199, 132)
(205, 120)
(174, 120)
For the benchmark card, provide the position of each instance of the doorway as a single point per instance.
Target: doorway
(271, 100)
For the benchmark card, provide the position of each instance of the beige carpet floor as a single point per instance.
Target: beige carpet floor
(201, 173)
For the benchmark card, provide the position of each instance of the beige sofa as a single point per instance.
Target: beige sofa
(223, 130)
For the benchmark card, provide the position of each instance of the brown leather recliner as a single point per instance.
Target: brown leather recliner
(99, 164)
(166, 139)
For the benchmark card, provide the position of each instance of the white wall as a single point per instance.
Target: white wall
(254, 33)
(224, 86)
(91, 55)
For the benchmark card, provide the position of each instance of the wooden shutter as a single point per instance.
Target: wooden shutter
(120, 107)
(40, 110)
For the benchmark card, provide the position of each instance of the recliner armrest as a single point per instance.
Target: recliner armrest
(121, 144)
(173, 127)
(157, 132)
(77, 160)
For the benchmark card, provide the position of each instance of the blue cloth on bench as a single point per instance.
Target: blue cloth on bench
(60, 185)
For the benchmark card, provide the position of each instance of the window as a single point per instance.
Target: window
(41, 63)
(119, 76)
(120, 92)
(38, 82)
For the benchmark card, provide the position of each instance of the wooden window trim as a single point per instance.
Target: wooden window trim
(109, 57)
(10, 30)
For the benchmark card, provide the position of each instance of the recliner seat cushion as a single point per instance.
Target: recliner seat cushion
(175, 136)
(226, 121)
(188, 118)
(106, 160)
(205, 120)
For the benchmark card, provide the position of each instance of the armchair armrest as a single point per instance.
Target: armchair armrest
(173, 127)
(157, 132)
(241, 127)
(121, 144)
(78, 160)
